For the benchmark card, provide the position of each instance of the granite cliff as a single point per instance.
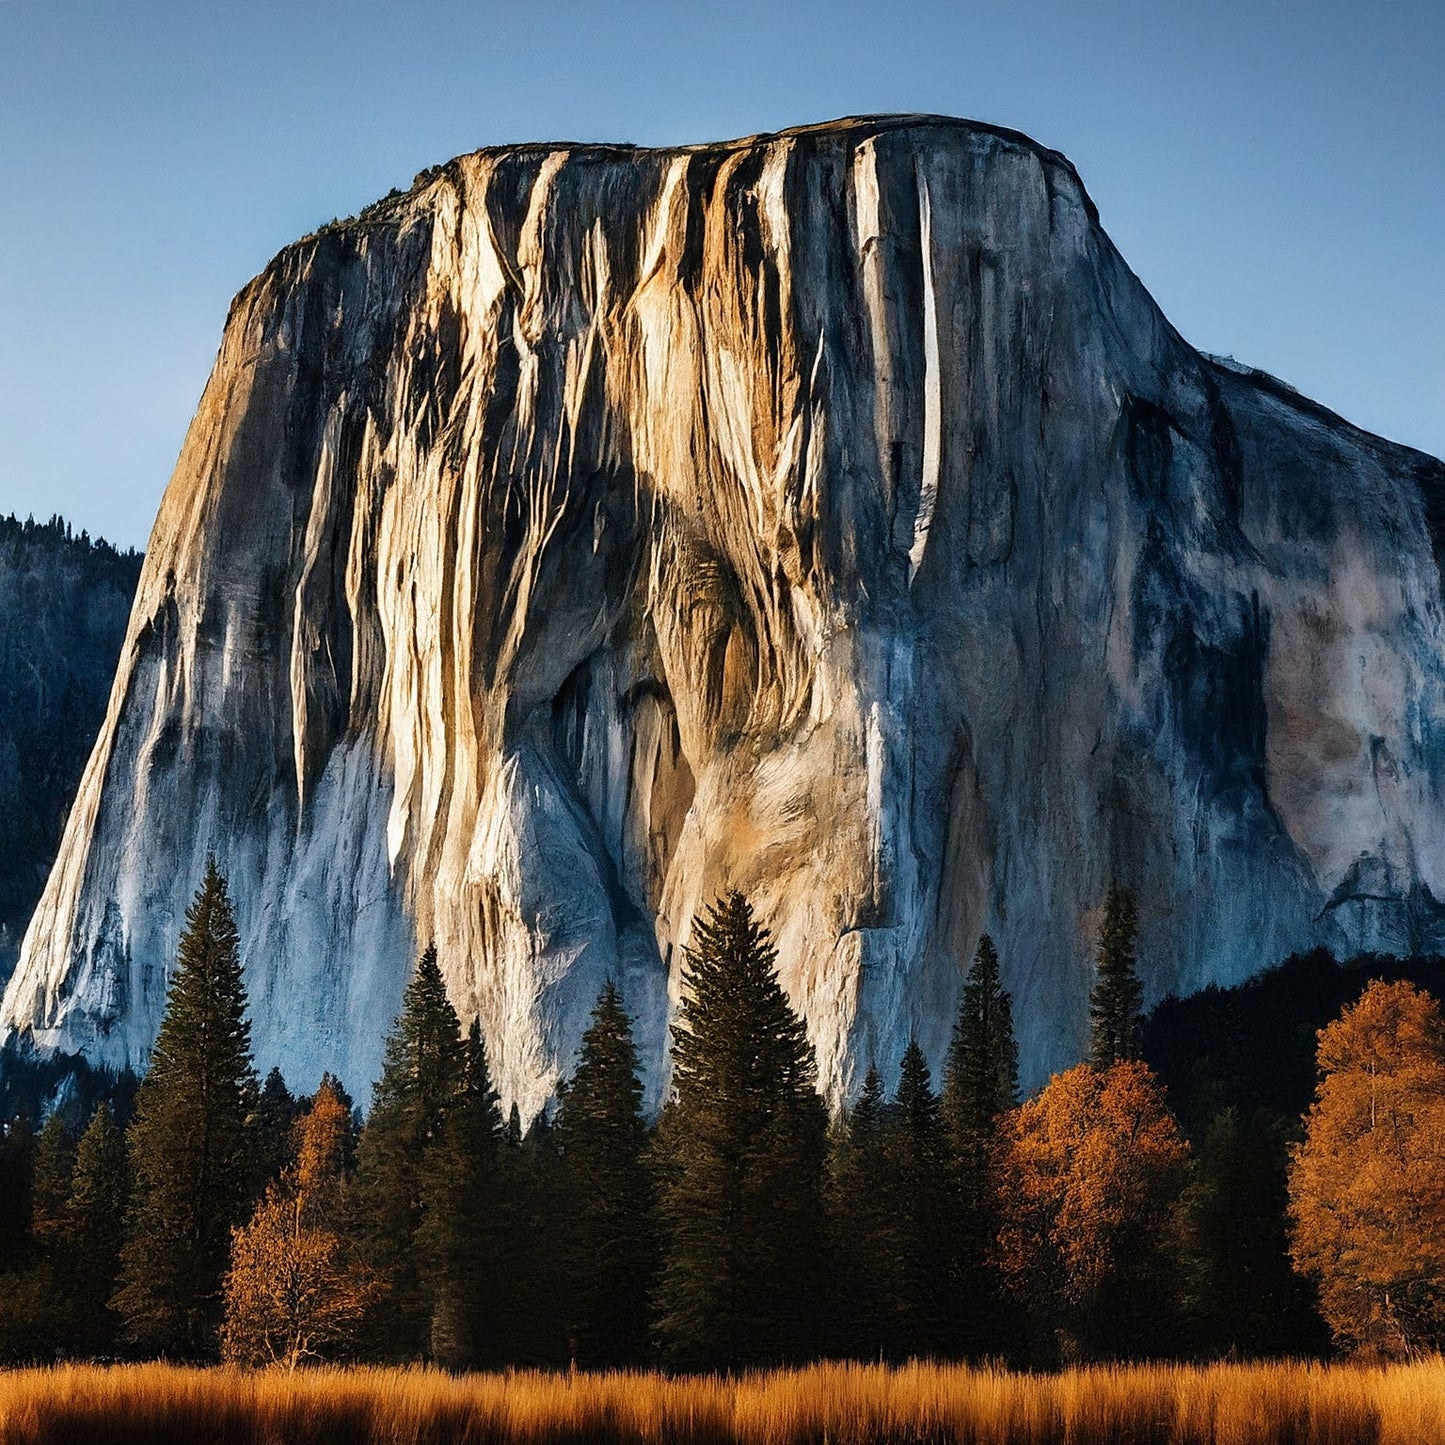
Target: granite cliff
(829, 514)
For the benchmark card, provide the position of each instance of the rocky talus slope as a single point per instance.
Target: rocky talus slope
(831, 515)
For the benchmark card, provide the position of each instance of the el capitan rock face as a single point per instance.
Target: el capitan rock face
(831, 515)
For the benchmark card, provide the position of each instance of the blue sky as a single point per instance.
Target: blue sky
(1274, 172)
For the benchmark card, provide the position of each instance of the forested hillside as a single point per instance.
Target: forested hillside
(64, 601)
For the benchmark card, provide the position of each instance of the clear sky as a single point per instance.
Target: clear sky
(1274, 172)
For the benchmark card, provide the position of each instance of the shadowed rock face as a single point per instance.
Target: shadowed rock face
(831, 515)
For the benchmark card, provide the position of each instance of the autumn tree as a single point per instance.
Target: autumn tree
(1088, 1176)
(741, 1152)
(1367, 1185)
(191, 1143)
(1118, 996)
(296, 1290)
(608, 1210)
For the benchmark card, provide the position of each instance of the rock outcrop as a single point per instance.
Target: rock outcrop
(829, 514)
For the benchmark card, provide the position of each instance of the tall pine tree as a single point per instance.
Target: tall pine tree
(981, 1076)
(457, 1236)
(276, 1114)
(1118, 995)
(93, 1232)
(17, 1181)
(190, 1144)
(861, 1228)
(421, 1080)
(610, 1243)
(915, 1185)
(741, 1150)
(54, 1161)
(980, 1087)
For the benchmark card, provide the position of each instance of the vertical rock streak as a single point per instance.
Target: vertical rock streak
(830, 515)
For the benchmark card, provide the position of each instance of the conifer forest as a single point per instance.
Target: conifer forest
(1248, 1172)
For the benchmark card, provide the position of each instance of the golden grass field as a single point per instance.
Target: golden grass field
(824, 1405)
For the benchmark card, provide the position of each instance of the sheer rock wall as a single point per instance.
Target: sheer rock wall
(831, 515)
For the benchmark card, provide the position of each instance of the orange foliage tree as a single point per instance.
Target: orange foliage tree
(1086, 1179)
(296, 1290)
(1367, 1185)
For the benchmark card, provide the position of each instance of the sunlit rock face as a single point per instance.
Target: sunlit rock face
(830, 515)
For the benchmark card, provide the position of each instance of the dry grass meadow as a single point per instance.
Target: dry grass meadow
(836, 1404)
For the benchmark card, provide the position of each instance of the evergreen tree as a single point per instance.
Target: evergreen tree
(1118, 995)
(915, 1188)
(191, 1144)
(33, 1311)
(981, 1076)
(741, 1152)
(862, 1227)
(531, 1287)
(1240, 1296)
(93, 1231)
(276, 1113)
(17, 1179)
(610, 1229)
(457, 1235)
(50, 1190)
(980, 1088)
(421, 1078)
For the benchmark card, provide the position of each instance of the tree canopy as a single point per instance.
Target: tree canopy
(1367, 1185)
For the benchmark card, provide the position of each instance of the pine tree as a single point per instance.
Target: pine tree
(54, 1161)
(610, 1241)
(191, 1145)
(531, 1287)
(1240, 1296)
(981, 1076)
(276, 1113)
(1118, 995)
(421, 1078)
(980, 1088)
(861, 1227)
(17, 1179)
(94, 1231)
(915, 1186)
(457, 1235)
(741, 1151)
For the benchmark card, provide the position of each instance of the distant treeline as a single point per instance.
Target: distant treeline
(1199, 1208)
(64, 602)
